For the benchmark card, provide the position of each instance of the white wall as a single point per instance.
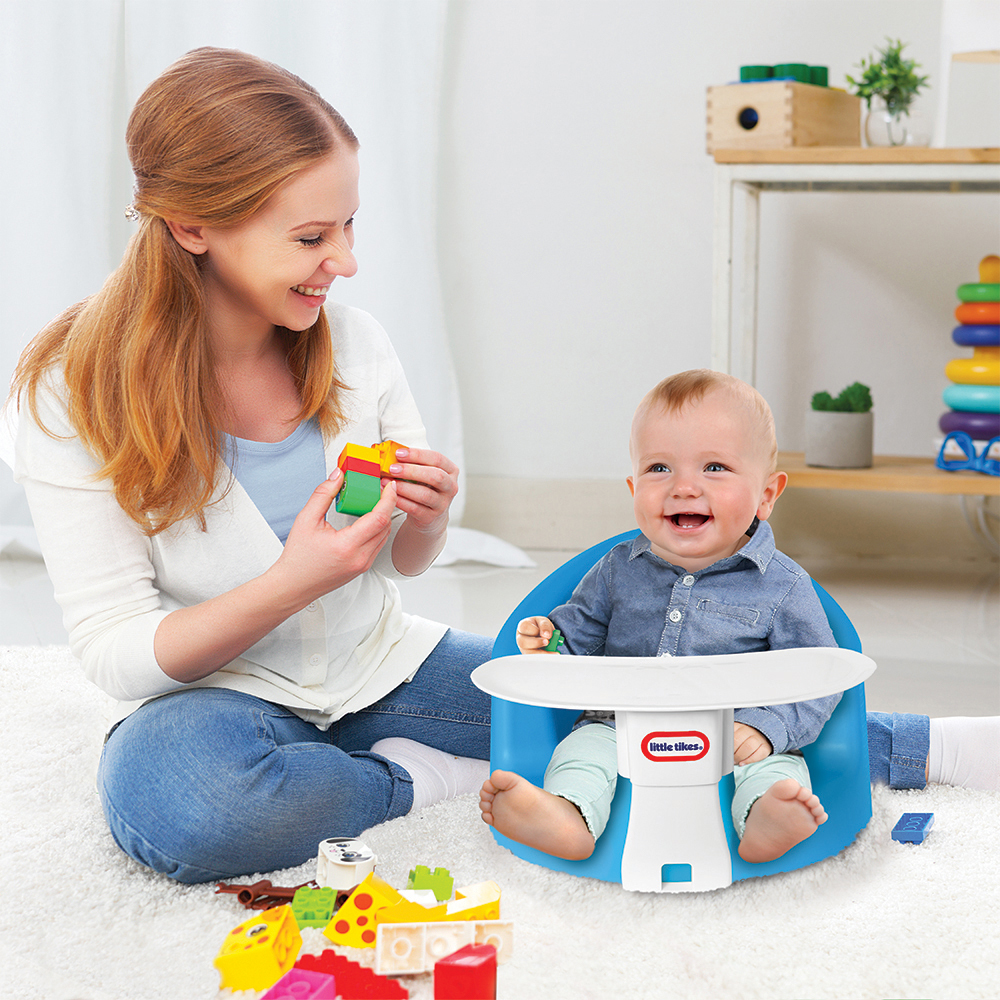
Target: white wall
(576, 227)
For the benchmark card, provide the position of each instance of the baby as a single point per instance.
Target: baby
(704, 577)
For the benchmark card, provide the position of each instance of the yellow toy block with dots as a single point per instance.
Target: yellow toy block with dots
(353, 924)
(475, 902)
(258, 952)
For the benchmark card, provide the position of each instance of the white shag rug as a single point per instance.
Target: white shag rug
(80, 921)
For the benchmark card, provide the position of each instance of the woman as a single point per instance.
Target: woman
(179, 450)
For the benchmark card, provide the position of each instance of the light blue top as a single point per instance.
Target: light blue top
(633, 603)
(280, 476)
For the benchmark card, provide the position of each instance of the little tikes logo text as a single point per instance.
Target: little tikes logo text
(674, 746)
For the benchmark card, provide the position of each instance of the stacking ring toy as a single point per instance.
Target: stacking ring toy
(979, 426)
(978, 398)
(978, 312)
(981, 292)
(976, 335)
(983, 368)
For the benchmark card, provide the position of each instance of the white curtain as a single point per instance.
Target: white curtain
(71, 70)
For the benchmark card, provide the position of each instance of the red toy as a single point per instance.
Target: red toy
(354, 981)
(468, 974)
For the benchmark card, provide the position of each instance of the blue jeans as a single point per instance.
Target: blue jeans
(208, 784)
(897, 749)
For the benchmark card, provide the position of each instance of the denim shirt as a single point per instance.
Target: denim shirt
(633, 603)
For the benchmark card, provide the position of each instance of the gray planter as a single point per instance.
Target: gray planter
(839, 440)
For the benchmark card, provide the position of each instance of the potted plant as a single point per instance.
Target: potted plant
(839, 431)
(892, 82)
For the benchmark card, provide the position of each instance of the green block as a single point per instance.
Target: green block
(359, 494)
(439, 880)
(313, 907)
(555, 642)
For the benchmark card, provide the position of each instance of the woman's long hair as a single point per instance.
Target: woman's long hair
(210, 141)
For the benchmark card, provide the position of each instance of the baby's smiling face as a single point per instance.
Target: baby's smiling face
(699, 477)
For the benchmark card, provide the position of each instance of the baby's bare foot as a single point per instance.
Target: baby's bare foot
(530, 815)
(782, 817)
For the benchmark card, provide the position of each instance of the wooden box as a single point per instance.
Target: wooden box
(780, 114)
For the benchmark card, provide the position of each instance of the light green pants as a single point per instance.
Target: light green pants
(584, 770)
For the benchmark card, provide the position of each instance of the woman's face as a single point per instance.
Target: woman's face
(276, 268)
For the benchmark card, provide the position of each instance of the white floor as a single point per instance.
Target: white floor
(934, 632)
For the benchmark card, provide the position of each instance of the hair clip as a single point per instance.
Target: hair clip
(959, 452)
(132, 213)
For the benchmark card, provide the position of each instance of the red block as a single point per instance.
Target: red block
(468, 974)
(351, 463)
(354, 981)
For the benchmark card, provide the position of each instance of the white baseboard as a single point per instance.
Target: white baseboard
(574, 514)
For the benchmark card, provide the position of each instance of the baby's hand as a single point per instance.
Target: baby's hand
(749, 744)
(533, 634)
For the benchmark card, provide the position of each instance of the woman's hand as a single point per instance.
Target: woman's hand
(320, 558)
(426, 485)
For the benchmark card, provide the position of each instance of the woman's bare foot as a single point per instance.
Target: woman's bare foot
(782, 817)
(530, 815)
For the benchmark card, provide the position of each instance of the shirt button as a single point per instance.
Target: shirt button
(688, 581)
(675, 616)
(312, 607)
(315, 660)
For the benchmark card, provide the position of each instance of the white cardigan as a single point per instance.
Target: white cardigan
(115, 584)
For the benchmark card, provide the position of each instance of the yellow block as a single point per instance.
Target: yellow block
(258, 952)
(475, 902)
(983, 368)
(353, 924)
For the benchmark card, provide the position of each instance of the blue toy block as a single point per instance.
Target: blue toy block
(912, 828)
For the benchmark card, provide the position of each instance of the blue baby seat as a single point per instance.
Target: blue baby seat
(524, 736)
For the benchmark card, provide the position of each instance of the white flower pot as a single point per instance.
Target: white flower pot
(839, 440)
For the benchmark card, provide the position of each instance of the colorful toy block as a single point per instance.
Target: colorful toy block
(555, 642)
(474, 902)
(354, 923)
(387, 455)
(358, 453)
(300, 984)
(412, 948)
(314, 907)
(402, 949)
(258, 952)
(354, 981)
(439, 880)
(913, 828)
(359, 494)
(469, 974)
(343, 862)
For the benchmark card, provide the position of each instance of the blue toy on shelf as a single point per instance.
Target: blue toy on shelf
(524, 736)
(958, 451)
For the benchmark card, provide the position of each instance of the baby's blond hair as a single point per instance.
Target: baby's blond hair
(676, 391)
